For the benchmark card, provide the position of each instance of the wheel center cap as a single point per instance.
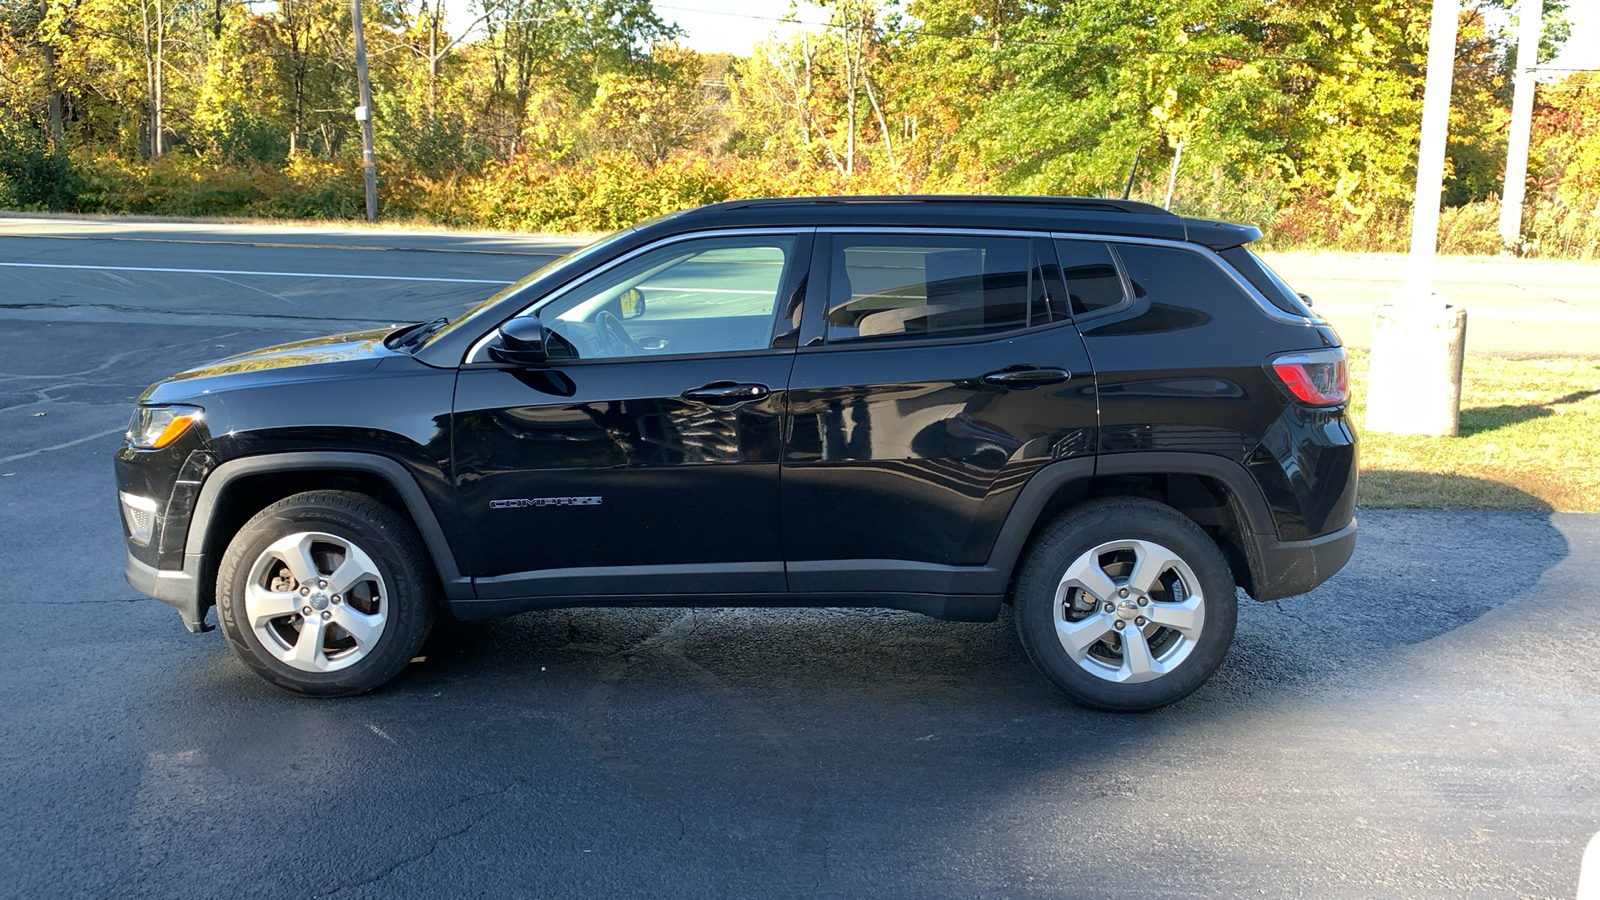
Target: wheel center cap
(318, 600)
(1127, 609)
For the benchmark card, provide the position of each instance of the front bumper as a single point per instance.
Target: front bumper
(178, 589)
(1285, 568)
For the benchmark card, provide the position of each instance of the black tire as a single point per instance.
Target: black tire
(1143, 524)
(399, 596)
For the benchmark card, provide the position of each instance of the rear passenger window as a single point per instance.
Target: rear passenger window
(1092, 280)
(887, 286)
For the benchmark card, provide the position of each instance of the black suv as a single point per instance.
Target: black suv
(1100, 412)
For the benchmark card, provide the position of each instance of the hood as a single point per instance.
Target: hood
(325, 357)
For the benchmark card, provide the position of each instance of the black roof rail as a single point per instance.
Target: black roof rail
(1098, 204)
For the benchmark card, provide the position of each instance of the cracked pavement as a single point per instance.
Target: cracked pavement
(1424, 725)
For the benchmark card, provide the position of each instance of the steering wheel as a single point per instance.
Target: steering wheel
(616, 338)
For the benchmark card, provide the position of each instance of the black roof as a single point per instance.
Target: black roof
(1084, 215)
(1094, 215)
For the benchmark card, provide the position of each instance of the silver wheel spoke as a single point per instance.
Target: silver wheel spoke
(1184, 618)
(1077, 637)
(1087, 575)
(1150, 560)
(295, 552)
(364, 628)
(262, 606)
(307, 652)
(1137, 664)
(356, 568)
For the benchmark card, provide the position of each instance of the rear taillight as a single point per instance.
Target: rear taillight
(1314, 377)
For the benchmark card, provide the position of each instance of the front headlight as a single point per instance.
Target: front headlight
(154, 427)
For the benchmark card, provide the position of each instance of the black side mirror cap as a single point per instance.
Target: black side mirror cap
(521, 342)
(1306, 299)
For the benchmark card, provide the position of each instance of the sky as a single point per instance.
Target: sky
(1582, 50)
(736, 26)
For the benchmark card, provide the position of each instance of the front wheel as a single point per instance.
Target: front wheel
(1125, 604)
(325, 593)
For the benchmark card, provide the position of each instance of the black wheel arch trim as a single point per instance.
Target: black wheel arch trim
(1242, 487)
(422, 515)
(1276, 568)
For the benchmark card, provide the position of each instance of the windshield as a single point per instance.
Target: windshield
(571, 260)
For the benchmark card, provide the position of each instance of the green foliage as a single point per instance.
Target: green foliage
(1301, 116)
(33, 175)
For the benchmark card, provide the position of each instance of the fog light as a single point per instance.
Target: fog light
(140, 515)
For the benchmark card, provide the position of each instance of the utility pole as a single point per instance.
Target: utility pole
(1172, 177)
(1529, 28)
(1414, 383)
(369, 160)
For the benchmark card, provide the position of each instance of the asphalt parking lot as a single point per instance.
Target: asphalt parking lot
(1424, 725)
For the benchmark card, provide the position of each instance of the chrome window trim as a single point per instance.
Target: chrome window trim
(931, 229)
(480, 346)
(1266, 306)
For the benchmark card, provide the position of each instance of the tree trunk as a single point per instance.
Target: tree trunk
(433, 62)
(804, 104)
(852, 76)
(151, 105)
(48, 53)
(158, 123)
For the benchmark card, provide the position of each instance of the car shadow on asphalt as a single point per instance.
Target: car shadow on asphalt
(879, 658)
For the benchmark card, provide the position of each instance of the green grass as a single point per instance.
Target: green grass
(1529, 439)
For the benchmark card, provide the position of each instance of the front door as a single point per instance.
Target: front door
(643, 458)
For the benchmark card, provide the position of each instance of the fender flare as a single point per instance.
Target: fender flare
(1244, 495)
(455, 585)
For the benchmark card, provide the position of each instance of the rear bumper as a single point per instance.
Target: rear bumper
(1286, 568)
(178, 589)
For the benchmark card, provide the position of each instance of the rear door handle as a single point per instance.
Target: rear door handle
(726, 393)
(1024, 378)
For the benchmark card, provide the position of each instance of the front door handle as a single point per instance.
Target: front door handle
(1024, 378)
(726, 393)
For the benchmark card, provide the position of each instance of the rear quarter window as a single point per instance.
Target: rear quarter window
(1185, 283)
(1272, 286)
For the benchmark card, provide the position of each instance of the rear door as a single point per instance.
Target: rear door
(932, 382)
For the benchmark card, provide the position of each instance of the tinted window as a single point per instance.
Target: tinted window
(1173, 276)
(1092, 280)
(698, 296)
(1269, 283)
(924, 286)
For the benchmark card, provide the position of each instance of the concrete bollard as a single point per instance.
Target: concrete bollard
(1414, 380)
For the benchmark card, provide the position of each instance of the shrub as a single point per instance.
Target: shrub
(34, 175)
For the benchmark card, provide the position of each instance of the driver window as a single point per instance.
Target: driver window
(709, 295)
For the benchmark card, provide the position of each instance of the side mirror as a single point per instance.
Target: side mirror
(1306, 299)
(521, 342)
(632, 303)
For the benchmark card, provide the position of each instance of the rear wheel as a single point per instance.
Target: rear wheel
(1125, 604)
(325, 593)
